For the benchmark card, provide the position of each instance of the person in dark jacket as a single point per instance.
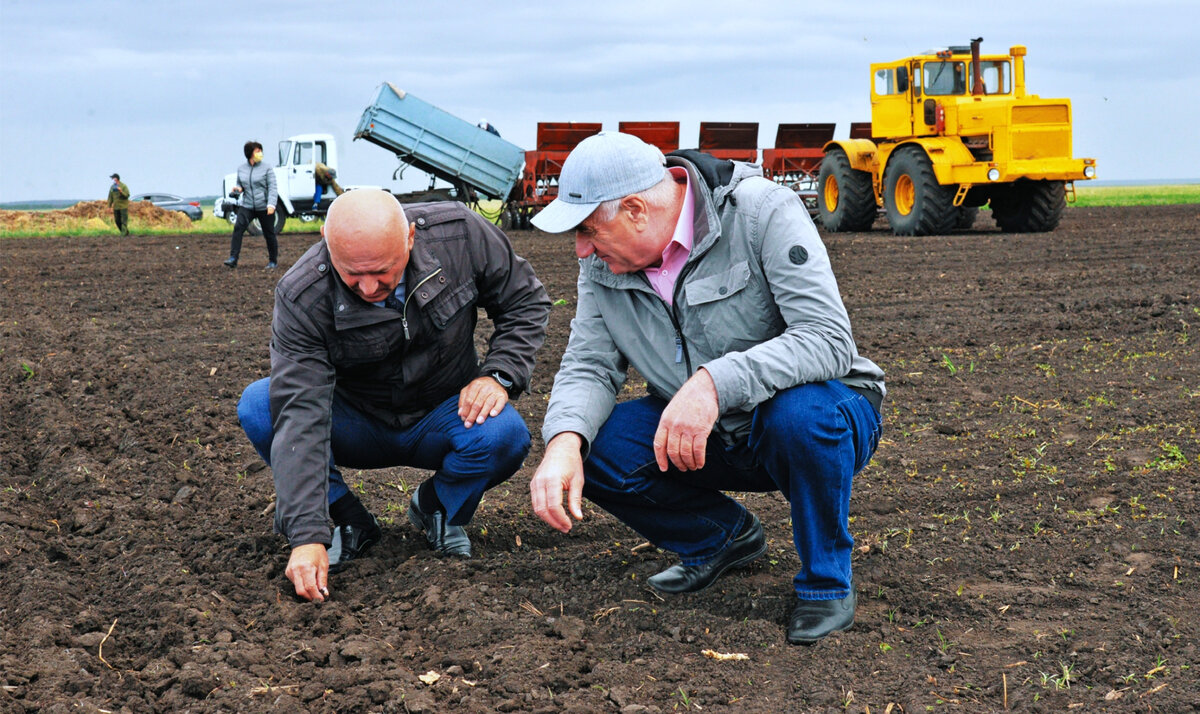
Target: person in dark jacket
(373, 365)
(257, 194)
(712, 283)
(118, 201)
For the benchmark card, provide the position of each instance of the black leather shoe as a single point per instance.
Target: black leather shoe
(231, 262)
(813, 619)
(350, 543)
(744, 550)
(441, 536)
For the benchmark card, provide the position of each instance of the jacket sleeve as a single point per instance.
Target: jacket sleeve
(817, 343)
(272, 188)
(302, 382)
(515, 301)
(590, 376)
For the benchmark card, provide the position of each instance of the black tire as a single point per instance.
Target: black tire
(845, 198)
(506, 219)
(1030, 206)
(965, 219)
(917, 205)
(281, 216)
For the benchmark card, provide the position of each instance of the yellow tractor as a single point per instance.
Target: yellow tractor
(953, 130)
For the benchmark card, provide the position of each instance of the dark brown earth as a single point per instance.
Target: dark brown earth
(1026, 534)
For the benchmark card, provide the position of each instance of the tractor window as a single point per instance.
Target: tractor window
(996, 77)
(945, 78)
(285, 150)
(891, 80)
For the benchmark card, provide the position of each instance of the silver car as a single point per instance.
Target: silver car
(171, 202)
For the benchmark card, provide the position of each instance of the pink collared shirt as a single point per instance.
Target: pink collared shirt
(663, 278)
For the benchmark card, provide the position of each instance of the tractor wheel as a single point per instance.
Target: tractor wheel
(1030, 206)
(966, 217)
(845, 199)
(506, 219)
(917, 205)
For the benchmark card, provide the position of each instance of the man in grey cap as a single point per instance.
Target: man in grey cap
(713, 283)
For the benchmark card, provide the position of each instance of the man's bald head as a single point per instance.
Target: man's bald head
(369, 240)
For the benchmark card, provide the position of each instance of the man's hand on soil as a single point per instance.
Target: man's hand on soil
(308, 569)
(561, 470)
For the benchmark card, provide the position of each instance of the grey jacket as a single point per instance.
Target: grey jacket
(756, 305)
(258, 186)
(395, 366)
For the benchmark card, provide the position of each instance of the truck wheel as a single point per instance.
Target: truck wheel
(966, 217)
(845, 199)
(917, 205)
(1030, 206)
(281, 216)
(506, 219)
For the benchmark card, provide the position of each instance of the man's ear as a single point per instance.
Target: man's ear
(638, 211)
(412, 235)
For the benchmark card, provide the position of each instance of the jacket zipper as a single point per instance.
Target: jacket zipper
(407, 297)
(681, 350)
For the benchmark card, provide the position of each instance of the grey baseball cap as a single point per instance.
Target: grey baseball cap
(601, 168)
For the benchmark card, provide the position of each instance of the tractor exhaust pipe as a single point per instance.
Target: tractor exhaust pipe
(976, 72)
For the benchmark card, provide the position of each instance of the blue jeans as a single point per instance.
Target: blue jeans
(466, 462)
(320, 191)
(806, 442)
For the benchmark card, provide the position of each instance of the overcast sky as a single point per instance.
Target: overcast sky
(166, 93)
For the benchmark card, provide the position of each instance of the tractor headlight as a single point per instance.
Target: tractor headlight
(993, 174)
(1089, 171)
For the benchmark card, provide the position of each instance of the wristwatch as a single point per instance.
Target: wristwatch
(503, 380)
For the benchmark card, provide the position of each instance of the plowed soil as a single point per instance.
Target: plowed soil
(1026, 534)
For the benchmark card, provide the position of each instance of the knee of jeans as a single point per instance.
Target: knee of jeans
(506, 441)
(254, 411)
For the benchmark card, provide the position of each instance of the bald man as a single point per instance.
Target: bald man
(373, 365)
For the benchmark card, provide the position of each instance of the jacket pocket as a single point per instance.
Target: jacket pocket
(720, 286)
(443, 307)
(729, 312)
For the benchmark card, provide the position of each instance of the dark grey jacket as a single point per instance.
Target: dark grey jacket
(395, 366)
(259, 188)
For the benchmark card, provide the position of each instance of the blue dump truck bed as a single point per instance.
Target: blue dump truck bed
(440, 143)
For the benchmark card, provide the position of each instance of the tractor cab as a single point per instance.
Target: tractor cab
(908, 96)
